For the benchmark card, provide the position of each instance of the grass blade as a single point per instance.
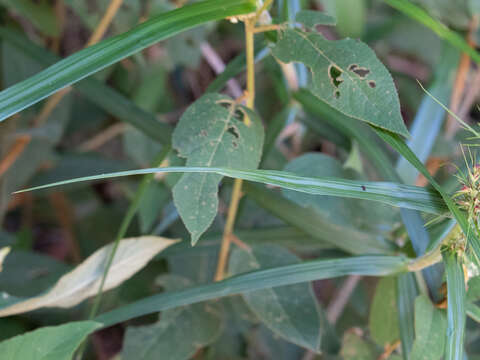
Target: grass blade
(456, 307)
(256, 280)
(407, 196)
(399, 145)
(415, 12)
(93, 59)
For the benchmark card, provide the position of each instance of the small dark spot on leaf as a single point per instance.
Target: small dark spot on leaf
(203, 133)
(360, 71)
(234, 144)
(233, 130)
(190, 42)
(372, 84)
(364, 188)
(337, 94)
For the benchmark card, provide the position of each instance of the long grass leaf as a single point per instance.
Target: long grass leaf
(407, 196)
(95, 58)
(256, 280)
(456, 307)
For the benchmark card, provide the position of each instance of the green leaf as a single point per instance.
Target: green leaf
(83, 282)
(295, 318)
(412, 197)
(473, 311)
(430, 328)
(399, 145)
(355, 348)
(383, 319)
(473, 293)
(406, 294)
(40, 13)
(210, 134)
(56, 342)
(110, 51)
(351, 213)
(455, 307)
(312, 18)
(347, 75)
(263, 279)
(193, 326)
(104, 96)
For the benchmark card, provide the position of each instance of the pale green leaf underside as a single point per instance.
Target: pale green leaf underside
(407, 196)
(347, 75)
(210, 133)
(84, 281)
(296, 318)
(48, 343)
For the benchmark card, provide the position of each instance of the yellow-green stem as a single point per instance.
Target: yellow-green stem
(237, 187)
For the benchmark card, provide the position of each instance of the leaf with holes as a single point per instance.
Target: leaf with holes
(214, 131)
(347, 75)
(296, 318)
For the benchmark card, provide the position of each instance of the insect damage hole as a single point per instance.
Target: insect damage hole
(372, 84)
(335, 74)
(362, 72)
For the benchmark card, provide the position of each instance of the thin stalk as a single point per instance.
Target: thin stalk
(237, 186)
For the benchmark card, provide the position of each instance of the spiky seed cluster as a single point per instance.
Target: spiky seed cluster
(469, 195)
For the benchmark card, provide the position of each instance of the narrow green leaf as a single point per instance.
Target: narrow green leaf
(406, 294)
(110, 51)
(347, 75)
(420, 15)
(56, 342)
(473, 311)
(455, 308)
(83, 282)
(257, 280)
(383, 319)
(104, 96)
(412, 197)
(210, 133)
(430, 328)
(295, 318)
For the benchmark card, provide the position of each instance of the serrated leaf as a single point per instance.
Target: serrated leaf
(210, 133)
(383, 320)
(295, 318)
(56, 342)
(193, 326)
(312, 18)
(83, 282)
(347, 75)
(430, 328)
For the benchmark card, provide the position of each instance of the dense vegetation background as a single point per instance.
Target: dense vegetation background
(393, 263)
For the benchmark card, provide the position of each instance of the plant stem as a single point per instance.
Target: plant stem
(237, 186)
